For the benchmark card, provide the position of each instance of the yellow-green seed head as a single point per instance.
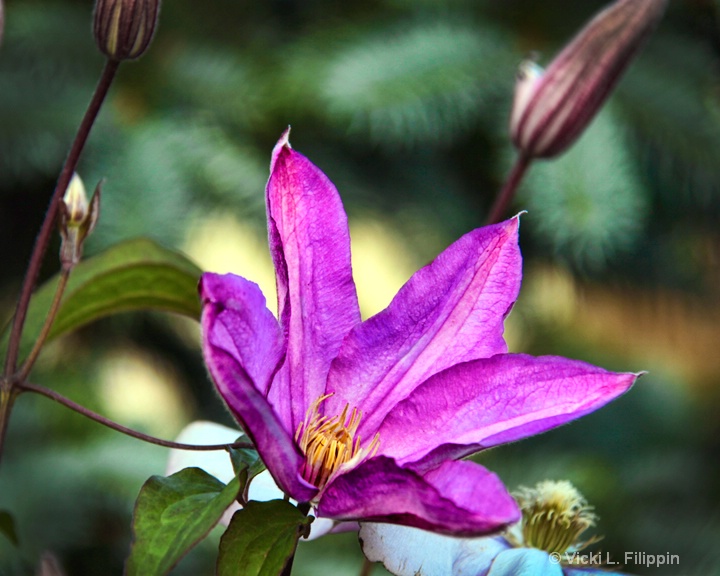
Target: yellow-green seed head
(554, 515)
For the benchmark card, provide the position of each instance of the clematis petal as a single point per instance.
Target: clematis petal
(460, 498)
(450, 311)
(310, 246)
(524, 561)
(406, 551)
(487, 402)
(243, 348)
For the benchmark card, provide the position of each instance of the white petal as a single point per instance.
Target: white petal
(524, 561)
(412, 552)
(215, 462)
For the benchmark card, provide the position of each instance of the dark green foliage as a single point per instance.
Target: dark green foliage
(171, 515)
(7, 527)
(136, 275)
(261, 539)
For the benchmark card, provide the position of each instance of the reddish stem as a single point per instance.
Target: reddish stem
(43, 237)
(502, 202)
(60, 399)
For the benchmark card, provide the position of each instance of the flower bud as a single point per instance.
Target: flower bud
(552, 108)
(2, 20)
(123, 29)
(77, 220)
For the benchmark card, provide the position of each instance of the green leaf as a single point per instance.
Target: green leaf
(246, 463)
(172, 515)
(7, 527)
(261, 539)
(135, 275)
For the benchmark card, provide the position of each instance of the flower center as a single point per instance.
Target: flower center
(554, 516)
(328, 443)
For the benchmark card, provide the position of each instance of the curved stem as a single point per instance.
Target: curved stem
(509, 188)
(60, 399)
(43, 238)
(49, 319)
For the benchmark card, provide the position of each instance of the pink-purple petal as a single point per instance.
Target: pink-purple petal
(243, 348)
(310, 247)
(450, 311)
(491, 401)
(460, 498)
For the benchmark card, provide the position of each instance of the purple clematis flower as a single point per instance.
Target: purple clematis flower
(365, 420)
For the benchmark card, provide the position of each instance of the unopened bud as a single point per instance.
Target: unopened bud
(2, 20)
(77, 220)
(123, 29)
(552, 108)
(75, 203)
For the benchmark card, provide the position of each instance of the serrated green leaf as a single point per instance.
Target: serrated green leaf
(261, 539)
(172, 515)
(7, 527)
(135, 275)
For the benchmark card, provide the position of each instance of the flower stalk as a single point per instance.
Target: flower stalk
(503, 200)
(2, 20)
(43, 238)
(60, 399)
(7, 399)
(47, 325)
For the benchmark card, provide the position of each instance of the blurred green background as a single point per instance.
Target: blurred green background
(404, 104)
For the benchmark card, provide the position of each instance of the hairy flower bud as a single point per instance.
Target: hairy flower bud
(552, 108)
(123, 29)
(77, 220)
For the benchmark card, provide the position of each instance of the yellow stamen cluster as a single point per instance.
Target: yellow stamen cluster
(328, 443)
(555, 514)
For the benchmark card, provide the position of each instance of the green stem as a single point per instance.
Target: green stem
(304, 507)
(49, 319)
(7, 399)
(60, 399)
(367, 568)
(43, 237)
(502, 202)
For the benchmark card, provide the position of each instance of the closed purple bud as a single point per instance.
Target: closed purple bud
(552, 107)
(2, 20)
(123, 29)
